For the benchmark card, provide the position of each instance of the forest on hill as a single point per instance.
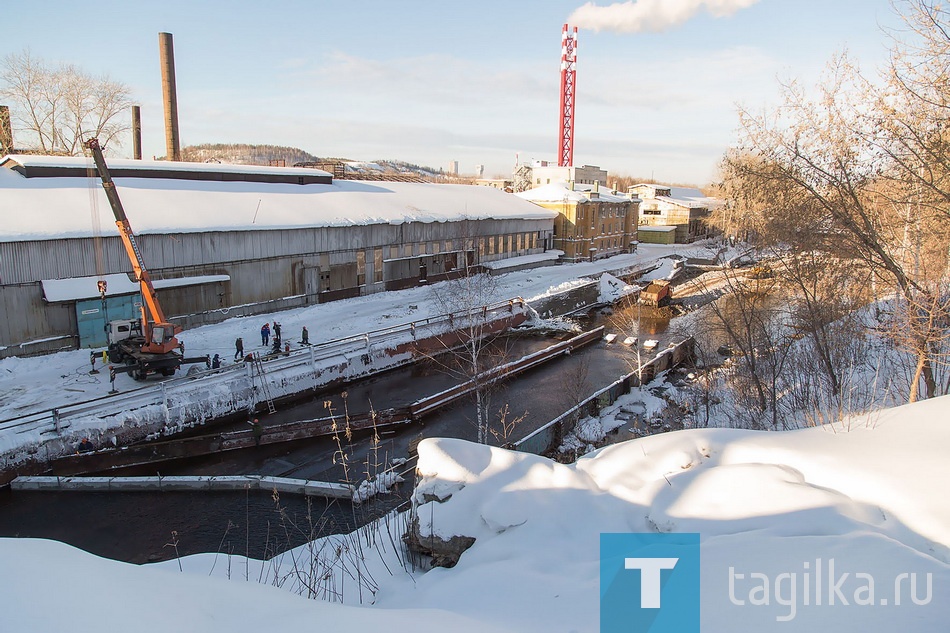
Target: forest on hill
(245, 154)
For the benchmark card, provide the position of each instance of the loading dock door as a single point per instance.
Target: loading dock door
(93, 314)
(311, 283)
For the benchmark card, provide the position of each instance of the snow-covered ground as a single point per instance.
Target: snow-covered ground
(843, 527)
(837, 528)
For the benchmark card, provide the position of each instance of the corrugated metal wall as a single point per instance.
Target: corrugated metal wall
(264, 266)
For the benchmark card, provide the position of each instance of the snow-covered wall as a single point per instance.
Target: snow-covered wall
(195, 399)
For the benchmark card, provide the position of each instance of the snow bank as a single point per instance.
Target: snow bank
(613, 289)
(93, 594)
(867, 496)
(381, 484)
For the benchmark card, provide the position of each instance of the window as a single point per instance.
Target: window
(360, 268)
(377, 265)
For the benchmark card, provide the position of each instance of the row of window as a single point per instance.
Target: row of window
(491, 245)
(606, 211)
(497, 244)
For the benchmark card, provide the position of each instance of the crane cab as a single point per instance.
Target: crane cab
(161, 338)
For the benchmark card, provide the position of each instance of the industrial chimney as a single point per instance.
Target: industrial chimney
(6, 131)
(136, 133)
(167, 54)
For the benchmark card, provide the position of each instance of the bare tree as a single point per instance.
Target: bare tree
(868, 169)
(465, 297)
(61, 106)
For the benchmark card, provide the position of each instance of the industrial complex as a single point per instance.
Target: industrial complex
(224, 240)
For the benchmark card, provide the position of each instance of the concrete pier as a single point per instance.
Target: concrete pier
(184, 483)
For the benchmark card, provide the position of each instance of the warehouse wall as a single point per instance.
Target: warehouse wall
(269, 270)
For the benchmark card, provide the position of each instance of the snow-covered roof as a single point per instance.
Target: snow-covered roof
(561, 191)
(43, 208)
(682, 202)
(116, 164)
(657, 228)
(688, 197)
(116, 284)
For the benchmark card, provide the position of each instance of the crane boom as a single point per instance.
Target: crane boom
(160, 335)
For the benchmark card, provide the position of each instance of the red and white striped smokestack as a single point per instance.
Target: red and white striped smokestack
(565, 156)
(167, 53)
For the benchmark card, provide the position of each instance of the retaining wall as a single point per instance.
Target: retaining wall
(549, 436)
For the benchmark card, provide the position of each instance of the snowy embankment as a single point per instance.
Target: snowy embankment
(184, 402)
(866, 496)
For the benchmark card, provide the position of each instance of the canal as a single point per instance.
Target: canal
(148, 526)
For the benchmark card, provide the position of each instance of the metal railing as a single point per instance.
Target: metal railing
(172, 394)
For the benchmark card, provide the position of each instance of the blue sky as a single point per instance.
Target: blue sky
(432, 82)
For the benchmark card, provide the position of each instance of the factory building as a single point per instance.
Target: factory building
(591, 223)
(230, 240)
(673, 214)
(545, 173)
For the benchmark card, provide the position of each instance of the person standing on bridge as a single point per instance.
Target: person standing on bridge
(265, 334)
(277, 334)
(305, 336)
(238, 348)
(258, 431)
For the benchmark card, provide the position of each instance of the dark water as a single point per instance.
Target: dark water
(145, 526)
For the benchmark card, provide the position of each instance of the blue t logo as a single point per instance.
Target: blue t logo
(649, 582)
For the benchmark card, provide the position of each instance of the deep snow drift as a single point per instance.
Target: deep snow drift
(866, 495)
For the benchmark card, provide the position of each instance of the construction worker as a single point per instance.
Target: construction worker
(238, 348)
(258, 431)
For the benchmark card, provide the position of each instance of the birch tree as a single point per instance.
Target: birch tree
(58, 107)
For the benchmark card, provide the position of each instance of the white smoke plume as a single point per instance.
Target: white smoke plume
(635, 16)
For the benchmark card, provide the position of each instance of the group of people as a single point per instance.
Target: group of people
(265, 340)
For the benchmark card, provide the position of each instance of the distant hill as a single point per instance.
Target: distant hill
(243, 154)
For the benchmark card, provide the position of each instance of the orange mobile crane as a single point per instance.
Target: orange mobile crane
(149, 345)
